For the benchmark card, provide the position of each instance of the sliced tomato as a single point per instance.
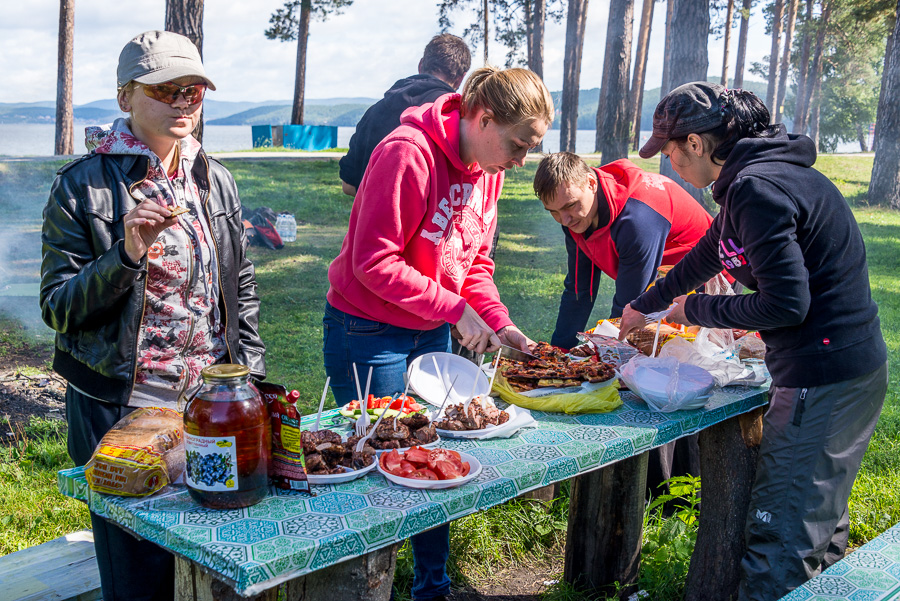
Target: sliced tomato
(391, 460)
(418, 456)
(466, 468)
(446, 470)
(352, 406)
(414, 407)
(444, 454)
(405, 469)
(423, 474)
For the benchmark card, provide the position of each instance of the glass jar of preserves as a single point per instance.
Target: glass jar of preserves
(227, 440)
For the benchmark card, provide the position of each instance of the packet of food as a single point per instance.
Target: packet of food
(288, 466)
(142, 453)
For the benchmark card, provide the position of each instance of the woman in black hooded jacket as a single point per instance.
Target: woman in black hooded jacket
(785, 232)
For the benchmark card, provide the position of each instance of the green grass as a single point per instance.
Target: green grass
(530, 271)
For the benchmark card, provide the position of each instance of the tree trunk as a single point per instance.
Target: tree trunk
(729, 16)
(186, 17)
(365, 578)
(814, 75)
(888, 51)
(774, 55)
(536, 59)
(640, 69)
(861, 138)
(193, 583)
(884, 186)
(65, 127)
(613, 112)
(688, 61)
(728, 454)
(786, 59)
(799, 124)
(300, 79)
(742, 44)
(815, 104)
(568, 119)
(665, 85)
(486, 15)
(603, 543)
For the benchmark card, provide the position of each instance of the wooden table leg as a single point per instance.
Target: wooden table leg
(367, 578)
(192, 583)
(606, 517)
(728, 453)
(545, 494)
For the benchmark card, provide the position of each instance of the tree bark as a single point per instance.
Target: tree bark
(861, 138)
(300, 78)
(888, 51)
(568, 119)
(688, 61)
(728, 454)
(884, 186)
(742, 44)
(65, 127)
(774, 55)
(613, 111)
(665, 86)
(186, 17)
(536, 58)
(814, 74)
(729, 16)
(603, 543)
(640, 70)
(486, 16)
(785, 59)
(193, 583)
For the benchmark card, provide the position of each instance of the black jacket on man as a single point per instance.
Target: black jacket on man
(92, 295)
(786, 232)
(383, 117)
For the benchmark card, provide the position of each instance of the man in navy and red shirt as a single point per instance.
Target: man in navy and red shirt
(619, 220)
(625, 222)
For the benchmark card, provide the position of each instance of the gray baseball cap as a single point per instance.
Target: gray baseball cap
(689, 109)
(160, 56)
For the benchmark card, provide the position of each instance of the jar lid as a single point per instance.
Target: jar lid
(224, 371)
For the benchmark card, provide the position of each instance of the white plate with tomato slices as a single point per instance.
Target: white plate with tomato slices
(404, 405)
(430, 469)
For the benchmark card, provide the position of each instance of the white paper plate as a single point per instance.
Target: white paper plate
(518, 419)
(474, 470)
(428, 385)
(347, 476)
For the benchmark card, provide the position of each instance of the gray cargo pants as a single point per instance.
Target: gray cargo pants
(813, 443)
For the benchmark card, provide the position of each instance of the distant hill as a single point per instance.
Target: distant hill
(341, 115)
(42, 114)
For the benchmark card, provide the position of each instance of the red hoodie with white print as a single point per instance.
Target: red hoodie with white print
(420, 230)
(181, 330)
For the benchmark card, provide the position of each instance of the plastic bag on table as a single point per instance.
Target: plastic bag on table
(667, 384)
(722, 365)
(602, 400)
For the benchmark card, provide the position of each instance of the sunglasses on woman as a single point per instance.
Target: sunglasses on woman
(169, 92)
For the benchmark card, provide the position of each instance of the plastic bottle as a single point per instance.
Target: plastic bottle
(227, 439)
(286, 226)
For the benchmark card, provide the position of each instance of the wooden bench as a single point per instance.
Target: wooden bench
(62, 569)
(872, 573)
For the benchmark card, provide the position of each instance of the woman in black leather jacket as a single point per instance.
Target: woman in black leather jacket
(144, 275)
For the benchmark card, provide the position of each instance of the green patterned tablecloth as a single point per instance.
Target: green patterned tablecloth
(288, 534)
(871, 573)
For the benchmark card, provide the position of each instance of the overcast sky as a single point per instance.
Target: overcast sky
(359, 53)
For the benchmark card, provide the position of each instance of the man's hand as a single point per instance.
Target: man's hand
(631, 320)
(475, 334)
(348, 189)
(143, 224)
(677, 315)
(513, 336)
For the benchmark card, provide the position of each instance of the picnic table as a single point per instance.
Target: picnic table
(303, 540)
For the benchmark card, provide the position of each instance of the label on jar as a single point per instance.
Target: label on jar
(211, 462)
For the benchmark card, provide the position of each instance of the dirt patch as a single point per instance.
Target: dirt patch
(517, 583)
(28, 387)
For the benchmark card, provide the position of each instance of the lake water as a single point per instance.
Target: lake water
(36, 139)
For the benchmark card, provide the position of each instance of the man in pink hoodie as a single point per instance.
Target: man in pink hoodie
(415, 258)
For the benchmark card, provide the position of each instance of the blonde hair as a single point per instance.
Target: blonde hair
(512, 95)
(560, 168)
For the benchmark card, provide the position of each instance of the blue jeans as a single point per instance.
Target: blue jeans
(388, 350)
